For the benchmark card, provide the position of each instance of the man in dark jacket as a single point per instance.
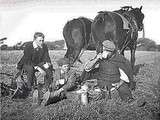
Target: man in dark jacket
(36, 58)
(114, 71)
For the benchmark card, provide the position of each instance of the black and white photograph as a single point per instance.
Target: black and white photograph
(80, 59)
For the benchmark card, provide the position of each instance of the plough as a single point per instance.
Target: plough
(17, 88)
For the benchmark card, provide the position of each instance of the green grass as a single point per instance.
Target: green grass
(148, 82)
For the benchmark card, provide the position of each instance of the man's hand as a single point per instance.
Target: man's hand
(47, 65)
(40, 70)
(89, 65)
(18, 73)
(60, 82)
(57, 93)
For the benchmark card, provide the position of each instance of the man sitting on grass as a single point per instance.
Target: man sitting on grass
(113, 71)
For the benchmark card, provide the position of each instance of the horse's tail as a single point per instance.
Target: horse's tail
(67, 34)
(103, 24)
(68, 39)
(71, 33)
(86, 23)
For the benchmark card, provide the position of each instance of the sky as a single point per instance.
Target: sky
(20, 19)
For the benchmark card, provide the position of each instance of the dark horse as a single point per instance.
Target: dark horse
(119, 26)
(76, 33)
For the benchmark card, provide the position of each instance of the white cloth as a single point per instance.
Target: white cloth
(123, 76)
(35, 45)
(46, 65)
(117, 85)
(61, 81)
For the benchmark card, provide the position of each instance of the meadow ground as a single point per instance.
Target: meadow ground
(148, 87)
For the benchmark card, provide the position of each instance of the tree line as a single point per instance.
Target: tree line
(143, 44)
(55, 45)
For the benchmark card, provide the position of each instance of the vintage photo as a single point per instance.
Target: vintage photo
(80, 59)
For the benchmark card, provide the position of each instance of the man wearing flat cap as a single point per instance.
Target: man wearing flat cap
(63, 81)
(114, 71)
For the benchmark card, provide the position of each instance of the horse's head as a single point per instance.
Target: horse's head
(139, 16)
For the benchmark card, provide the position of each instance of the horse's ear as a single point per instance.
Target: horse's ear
(140, 8)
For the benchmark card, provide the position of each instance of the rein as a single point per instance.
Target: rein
(133, 27)
(126, 42)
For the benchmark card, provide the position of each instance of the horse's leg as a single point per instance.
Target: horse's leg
(70, 54)
(76, 54)
(133, 50)
(78, 42)
(132, 47)
(81, 53)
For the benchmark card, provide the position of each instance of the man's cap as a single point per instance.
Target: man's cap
(63, 61)
(109, 45)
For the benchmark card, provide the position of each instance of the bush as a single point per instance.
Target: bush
(4, 47)
(158, 47)
(145, 44)
(55, 45)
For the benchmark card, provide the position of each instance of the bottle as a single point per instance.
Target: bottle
(35, 97)
(84, 95)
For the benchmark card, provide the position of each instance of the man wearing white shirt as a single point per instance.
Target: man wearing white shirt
(64, 80)
(36, 58)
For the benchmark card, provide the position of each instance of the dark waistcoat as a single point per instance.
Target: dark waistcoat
(108, 72)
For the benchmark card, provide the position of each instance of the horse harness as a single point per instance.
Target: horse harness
(132, 26)
(129, 23)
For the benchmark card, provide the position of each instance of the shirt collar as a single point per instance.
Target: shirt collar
(35, 45)
(62, 72)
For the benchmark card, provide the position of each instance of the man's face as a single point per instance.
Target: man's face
(105, 53)
(39, 41)
(65, 68)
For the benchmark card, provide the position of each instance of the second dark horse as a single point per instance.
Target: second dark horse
(119, 26)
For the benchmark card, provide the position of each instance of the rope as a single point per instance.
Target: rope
(126, 42)
(133, 25)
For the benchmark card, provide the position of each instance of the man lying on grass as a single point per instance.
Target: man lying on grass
(114, 72)
(64, 80)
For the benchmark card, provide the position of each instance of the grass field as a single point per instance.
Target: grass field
(148, 87)
(12, 57)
